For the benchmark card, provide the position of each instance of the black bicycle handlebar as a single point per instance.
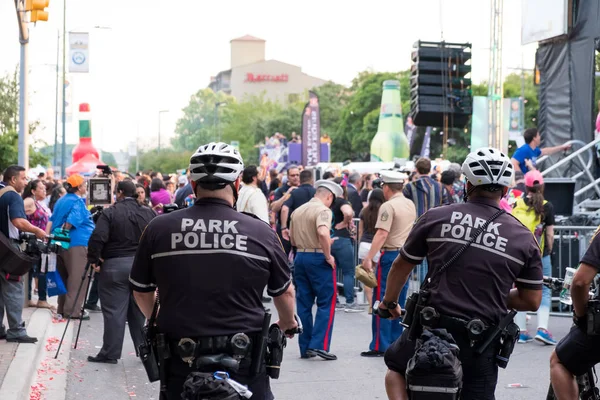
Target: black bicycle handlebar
(553, 283)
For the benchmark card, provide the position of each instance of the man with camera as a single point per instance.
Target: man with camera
(477, 253)
(111, 250)
(580, 349)
(13, 220)
(210, 265)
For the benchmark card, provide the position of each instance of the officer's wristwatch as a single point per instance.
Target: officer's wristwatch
(390, 305)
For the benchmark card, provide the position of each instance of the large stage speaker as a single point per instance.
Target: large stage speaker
(561, 193)
(440, 84)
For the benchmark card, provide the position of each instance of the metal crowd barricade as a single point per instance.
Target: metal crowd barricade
(570, 244)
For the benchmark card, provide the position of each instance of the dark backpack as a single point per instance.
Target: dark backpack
(435, 370)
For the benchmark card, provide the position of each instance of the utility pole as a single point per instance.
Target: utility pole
(63, 150)
(23, 72)
(56, 102)
(495, 134)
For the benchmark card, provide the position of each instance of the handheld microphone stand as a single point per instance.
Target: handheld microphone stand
(88, 272)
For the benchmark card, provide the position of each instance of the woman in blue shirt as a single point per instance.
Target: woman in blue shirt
(71, 213)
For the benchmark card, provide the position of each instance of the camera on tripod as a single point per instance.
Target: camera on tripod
(35, 247)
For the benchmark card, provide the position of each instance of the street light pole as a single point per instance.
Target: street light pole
(63, 153)
(23, 74)
(159, 114)
(56, 102)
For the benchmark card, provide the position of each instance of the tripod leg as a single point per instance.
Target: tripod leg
(85, 272)
(87, 291)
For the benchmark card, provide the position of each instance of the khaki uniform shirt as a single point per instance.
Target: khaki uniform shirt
(306, 219)
(396, 216)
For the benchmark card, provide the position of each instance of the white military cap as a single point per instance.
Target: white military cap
(393, 177)
(331, 186)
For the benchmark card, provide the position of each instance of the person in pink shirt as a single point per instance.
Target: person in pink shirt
(159, 195)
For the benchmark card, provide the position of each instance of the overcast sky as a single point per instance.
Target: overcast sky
(157, 53)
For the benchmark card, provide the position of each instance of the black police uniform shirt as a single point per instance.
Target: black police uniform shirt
(592, 255)
(118, 230)
(477, 284)
(279, 193)
(298, 197)
(210, 264)
(338, 216)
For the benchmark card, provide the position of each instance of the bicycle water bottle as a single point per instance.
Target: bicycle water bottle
(565, 293)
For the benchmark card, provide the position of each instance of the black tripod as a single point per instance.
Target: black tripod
(88, 272)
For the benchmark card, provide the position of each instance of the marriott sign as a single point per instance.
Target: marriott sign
(266, 78)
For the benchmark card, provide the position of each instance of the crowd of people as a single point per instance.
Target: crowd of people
(320, 219)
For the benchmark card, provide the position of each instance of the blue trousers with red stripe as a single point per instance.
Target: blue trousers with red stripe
(315, 279)
(385, 332)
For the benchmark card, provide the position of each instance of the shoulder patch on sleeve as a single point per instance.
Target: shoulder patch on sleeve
(325, 215)
(385, 215)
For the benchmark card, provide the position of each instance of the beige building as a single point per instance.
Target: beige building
(250, 74)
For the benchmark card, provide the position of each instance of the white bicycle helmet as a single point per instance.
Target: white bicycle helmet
(216, 162)
(488, 166)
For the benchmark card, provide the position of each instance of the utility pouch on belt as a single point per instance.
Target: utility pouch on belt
(506, 333)
(275, 346)
(593, 318)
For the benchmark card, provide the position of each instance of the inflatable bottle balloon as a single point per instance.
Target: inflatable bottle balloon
(390, 142)
(85, 145)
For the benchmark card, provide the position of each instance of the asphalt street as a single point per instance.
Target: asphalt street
(350, 377)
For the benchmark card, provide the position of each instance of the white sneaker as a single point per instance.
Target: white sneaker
(353, 308)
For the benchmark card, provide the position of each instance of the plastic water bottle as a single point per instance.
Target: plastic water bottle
(565, 293)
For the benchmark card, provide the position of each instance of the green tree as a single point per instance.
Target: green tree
(250, 121)
(9, 122)
(332, 99)
(165, 160)
(512, 88)
(202, 119)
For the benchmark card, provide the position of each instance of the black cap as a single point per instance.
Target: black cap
(128, 188)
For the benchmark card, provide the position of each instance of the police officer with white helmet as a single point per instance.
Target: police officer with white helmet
(210, 265)
(475, 285)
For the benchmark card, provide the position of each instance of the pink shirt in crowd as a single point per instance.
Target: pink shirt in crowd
(160, 197)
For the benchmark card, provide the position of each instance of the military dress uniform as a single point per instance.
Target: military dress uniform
(396, 216)
(313, 276)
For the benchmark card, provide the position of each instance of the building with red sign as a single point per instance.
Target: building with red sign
(250, 74)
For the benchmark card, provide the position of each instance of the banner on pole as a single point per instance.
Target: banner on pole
(79, 52)
(426, 143)
(311, 132)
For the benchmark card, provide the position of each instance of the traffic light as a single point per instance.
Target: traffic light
(37, 8)
(440, 84)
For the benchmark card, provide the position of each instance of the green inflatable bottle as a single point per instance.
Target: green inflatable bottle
(390, 140)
